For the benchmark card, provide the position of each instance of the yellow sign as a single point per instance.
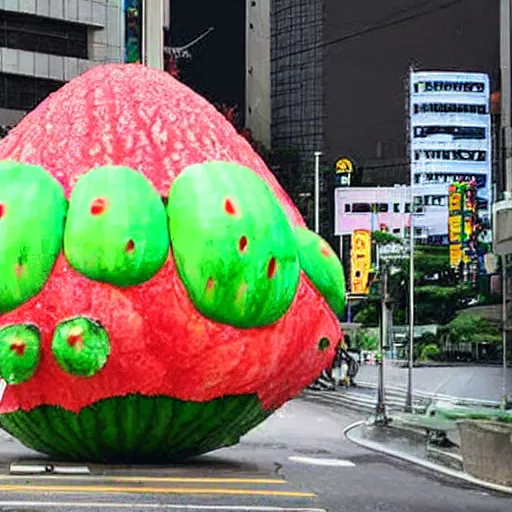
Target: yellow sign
(455, 202)
(361, 261)
(455, 254)
(344, 165)
(455, 228)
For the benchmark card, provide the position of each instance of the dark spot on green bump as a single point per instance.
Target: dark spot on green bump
(130, 246)
(20, 348)
(323, 344)
(242, 244)
(99, 206)
(81, 346)
(272, 266)
(229, 206)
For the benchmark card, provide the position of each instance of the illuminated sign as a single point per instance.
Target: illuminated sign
(361, 261)
(343, 168)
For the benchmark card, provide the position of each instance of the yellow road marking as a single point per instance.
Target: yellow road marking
(71, 489)
(155, 479)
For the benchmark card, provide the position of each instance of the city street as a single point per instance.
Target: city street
(476, 382)
(297, 461)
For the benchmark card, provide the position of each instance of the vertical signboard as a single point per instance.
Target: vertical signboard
(463, 227)
(450, 140)
(132, 12)
(360, 261)
(343, 169)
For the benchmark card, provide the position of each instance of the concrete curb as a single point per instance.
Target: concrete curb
(459, 475)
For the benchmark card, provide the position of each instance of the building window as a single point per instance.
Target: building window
(19, 92)
(396, 207)
(381, 207)
(347, 208)
(396, 231)
(407, 207)
(39, 34)
(361, 208)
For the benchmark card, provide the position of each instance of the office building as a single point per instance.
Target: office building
(44, 43)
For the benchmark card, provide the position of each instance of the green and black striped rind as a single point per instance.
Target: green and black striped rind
(136, 428)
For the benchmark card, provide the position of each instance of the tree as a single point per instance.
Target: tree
(438, 291)
(468, 328)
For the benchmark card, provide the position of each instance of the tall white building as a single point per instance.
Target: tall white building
(44, 43)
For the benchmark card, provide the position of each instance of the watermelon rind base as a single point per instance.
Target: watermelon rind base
(136, 428)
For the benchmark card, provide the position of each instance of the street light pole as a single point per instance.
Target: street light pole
(318, 154)
(380, 411)
(504, 320)
(506, 88)
(408, 398)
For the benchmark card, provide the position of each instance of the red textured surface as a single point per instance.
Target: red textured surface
(160, 343)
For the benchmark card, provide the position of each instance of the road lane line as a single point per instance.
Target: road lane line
(72, 489)
(157, 506)
(340, 463)
(155, 479)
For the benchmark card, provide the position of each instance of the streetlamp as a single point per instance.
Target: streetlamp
(318, 154)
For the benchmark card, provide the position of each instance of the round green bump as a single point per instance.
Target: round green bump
(323, 268)
(116, 230)
(323, 344)
(32, 212)
(233, 245)
(20, 348)
(81, 346)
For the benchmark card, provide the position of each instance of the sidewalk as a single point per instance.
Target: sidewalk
(412, 446)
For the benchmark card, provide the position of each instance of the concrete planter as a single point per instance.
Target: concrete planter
(486, 449)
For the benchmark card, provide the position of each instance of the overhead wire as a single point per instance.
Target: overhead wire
(377, 26)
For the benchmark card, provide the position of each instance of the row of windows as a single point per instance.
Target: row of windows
(377, 208)
(432, 200)
(480, 179)
(20, 92)
(39, 34)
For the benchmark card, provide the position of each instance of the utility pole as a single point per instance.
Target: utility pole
(506, 88)
(380, 410)
(506, 133)
(408, 398)
(318, 154)
(504, 320)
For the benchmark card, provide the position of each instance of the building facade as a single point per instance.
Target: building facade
(340, 71)
(45, 43)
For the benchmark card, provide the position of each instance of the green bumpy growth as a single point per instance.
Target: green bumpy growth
(323, 268)
(81, 347)
(116, 230)
(32, 214)
(233, 245)
(20, 348)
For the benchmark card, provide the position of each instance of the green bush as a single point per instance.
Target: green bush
(430, 352)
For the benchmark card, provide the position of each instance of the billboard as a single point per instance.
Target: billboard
(360, 261)
(450, 140)
(132, 13)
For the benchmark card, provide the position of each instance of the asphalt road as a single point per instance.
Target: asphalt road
(477, 382)
(277, 467)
